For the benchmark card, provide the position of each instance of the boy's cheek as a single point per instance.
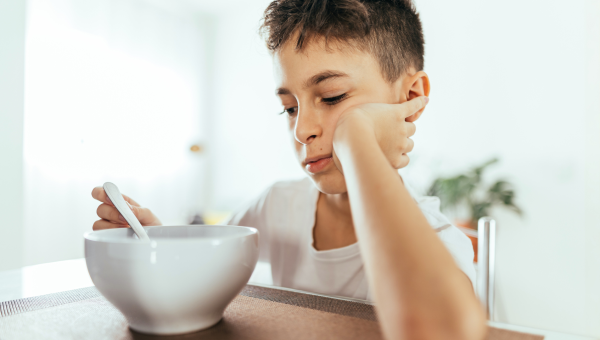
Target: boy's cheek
(291, 124)
(299, 150)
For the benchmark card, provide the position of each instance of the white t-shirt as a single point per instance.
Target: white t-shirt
(285, 216)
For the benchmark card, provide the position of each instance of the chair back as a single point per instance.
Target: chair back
(486, 264)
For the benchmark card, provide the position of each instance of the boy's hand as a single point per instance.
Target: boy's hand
(392, 125)
(110, 216)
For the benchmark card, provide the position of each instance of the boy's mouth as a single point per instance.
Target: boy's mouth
(317, 164)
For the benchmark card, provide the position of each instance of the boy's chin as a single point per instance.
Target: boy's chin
(330, 183)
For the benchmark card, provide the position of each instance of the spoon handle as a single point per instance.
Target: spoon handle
(117, 199)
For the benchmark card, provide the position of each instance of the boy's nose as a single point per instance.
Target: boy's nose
(308, 126)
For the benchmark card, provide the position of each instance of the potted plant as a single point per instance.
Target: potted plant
(468, 192)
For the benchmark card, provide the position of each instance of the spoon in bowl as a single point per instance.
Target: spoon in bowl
(117, 199)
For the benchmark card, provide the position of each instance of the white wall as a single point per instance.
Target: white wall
(114, 93)
(251, 142)
(519, 80)
(592, 212)
(12, 74)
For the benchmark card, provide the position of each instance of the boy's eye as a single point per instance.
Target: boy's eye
(290, 111)
(334, 100)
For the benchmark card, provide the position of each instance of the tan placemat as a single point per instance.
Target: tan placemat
(257, 313)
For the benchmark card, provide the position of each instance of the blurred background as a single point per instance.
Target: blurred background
(174, 101)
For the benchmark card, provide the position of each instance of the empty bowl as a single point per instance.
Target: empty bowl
(180, 281)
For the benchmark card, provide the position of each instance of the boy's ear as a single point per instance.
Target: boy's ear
(417, 85)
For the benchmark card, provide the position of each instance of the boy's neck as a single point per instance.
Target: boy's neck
(338, 204)
(333, 226)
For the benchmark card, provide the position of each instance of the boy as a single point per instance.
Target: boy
(349, 76)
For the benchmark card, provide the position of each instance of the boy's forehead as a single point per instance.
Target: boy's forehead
(293, 67)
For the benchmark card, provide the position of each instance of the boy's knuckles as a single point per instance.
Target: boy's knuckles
(411, 129)
(99, 210)
(404, 160)
(137, 211)
(101, 225)
(397, 160)
(141, 213)
(107, 212)
(98, 193)
(410, 144)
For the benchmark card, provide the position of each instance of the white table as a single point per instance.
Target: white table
(61, 276)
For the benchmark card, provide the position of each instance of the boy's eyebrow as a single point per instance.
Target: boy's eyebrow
(325, 75)
(282, 90)
(314, 80)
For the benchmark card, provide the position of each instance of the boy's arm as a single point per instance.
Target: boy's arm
(419, 291)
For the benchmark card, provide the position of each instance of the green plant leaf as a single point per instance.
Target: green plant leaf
(467, 190)
(479, 210)
(501, 193)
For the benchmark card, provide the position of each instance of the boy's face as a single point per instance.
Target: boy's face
(315, 87)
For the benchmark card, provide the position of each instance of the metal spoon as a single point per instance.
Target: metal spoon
(117, 199)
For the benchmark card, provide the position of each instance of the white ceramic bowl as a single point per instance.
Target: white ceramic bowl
(179, 282)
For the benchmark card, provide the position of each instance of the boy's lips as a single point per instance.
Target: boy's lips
(317, 164)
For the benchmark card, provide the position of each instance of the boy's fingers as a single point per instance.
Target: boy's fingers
(110, 216)
(109, 213)
(144, 215)
(99, 194)
(104, 224)
(131, 201)
(410, 144)
(402, 162)
(413, 106)
(411, 129)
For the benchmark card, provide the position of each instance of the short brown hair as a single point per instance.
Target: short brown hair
(388, 29)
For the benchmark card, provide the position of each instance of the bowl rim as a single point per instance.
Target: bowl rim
(90, 235)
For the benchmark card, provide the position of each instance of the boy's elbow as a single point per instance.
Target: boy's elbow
(471, 325)
(467, 324)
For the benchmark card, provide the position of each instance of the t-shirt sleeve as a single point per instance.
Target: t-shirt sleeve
(254, 214)
(457, 243)
(461, 249)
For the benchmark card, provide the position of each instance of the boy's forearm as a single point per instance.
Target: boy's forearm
(418, 289)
